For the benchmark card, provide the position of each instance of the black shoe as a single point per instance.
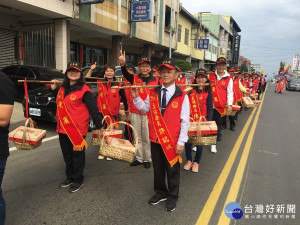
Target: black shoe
(232, 128)
(65, 183)
(219, 138)
(147, 165)
(156, 199)
(75, 187)
(135, 163)
(170, 206)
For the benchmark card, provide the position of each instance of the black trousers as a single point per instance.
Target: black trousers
(162, 168)
(75, 160)
(218, 119)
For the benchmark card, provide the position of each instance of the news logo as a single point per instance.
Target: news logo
(233, 210)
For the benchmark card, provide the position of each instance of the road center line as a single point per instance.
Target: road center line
(236, 183)
(44, 140)
(210, 204)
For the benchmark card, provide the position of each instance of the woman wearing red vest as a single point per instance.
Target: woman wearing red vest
(169, 112)
(75, 103)
(205, 103)
(109, 99)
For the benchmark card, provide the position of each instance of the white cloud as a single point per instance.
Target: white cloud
(273, 24)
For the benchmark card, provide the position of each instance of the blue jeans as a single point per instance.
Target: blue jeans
(188, 152)
(2, 202)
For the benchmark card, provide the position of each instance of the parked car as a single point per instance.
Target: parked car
(42, 105)
(98, 72)
(20, 72)
(293, 84)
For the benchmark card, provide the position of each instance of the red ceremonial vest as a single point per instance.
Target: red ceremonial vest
(255, 83)
(138, 81)
(113, 100)
(244, 83)
(221, 87)
(77, 110)
(202, 97)
(171, 117)
(237, 93)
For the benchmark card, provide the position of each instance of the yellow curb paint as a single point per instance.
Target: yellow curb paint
(236, 183)
(210, 204)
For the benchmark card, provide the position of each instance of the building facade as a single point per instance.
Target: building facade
(51, 33)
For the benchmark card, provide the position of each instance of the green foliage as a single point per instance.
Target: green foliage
(244, 68)
(184, 65)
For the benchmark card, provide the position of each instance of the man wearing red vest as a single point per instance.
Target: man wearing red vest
(168, 126)
(221, 84)
(238, 90)
(138, 119)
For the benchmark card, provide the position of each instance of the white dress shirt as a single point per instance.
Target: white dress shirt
(144, 107)
(229, 87)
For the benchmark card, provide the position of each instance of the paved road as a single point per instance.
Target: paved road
(258, 164)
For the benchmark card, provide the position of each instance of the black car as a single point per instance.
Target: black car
(98, 71)
(20, 72)
(42, 105)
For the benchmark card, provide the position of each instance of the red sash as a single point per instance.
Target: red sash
(216, 98)
(103, 104)
(195, 108)
(162, 132)
(142, 92)
(67, 123)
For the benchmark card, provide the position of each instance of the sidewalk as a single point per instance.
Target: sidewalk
(17, 113)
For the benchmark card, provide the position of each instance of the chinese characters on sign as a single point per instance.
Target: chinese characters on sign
(270, 211)
(236, 49)
(203, 43)
(140, 11)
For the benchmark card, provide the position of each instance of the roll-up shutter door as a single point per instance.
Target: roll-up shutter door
(7, 48)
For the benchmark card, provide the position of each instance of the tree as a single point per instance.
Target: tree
(244, 68)
(184, 65)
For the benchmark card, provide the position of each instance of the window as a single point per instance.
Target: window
(179, 33)
(124, 3)
(209, 48)
(186, 36)
(167, 17)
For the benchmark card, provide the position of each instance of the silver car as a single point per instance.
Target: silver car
(293, 84)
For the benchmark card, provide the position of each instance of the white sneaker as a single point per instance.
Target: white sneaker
(195, 149)
(108, 159)
(213, 149)
(100, 157)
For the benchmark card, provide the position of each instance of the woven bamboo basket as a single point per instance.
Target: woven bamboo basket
(26, 143)
(97, 141)
(202, 140)
(119, 152)
(232, 113)
(248, 103)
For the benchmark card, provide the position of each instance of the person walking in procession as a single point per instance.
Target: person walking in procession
(75, 103)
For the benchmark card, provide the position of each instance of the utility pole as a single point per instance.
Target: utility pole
(171, 34)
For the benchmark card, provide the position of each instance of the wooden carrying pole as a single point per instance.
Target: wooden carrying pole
(60, 82)
(155, 86)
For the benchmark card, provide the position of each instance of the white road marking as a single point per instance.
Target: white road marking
(44, 140)
(272, 153)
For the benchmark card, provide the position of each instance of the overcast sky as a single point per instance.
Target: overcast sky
(270, 28)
